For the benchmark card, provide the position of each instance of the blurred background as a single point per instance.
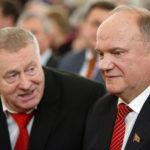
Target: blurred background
(61, 27)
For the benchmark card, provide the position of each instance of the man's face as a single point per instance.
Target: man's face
(35, 25)
(124, 59)
(21, 79)
(93, 20)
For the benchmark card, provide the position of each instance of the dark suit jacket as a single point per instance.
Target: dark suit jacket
(73, 61)
(60, 117)
(101, 121)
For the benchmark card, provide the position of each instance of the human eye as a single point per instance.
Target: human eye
(31, 70)
(118, 52)
(101, 55)
(11, 77)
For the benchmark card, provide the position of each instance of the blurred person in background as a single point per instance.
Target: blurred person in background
(36, 6)
(77, 22)
(61, 30)
(9, 13)
(86, 62)
(39, 25)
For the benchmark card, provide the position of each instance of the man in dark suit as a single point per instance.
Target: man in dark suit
(39, 25)
(79, 62)
(58, 101)
(123, 43)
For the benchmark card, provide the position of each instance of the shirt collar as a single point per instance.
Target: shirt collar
(45, 56)
(137, 103)
(88, 55)
(6, 109)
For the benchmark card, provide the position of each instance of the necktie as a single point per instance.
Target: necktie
(91, 67)
(22, 120)
(119, 128)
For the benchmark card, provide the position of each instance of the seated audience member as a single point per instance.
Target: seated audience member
(120, 120)
(77, 22)
(36, 6)
(40, 27)
(9, 13)
(85, 62)
(61, 30)
(40, 108)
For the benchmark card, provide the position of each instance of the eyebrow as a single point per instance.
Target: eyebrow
(15, 70)
(9, 72)
(111, 49)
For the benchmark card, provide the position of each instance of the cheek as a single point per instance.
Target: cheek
(7, 90)
(133, 73)
(39, 78)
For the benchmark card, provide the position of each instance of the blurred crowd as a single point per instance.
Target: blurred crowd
(65, 29)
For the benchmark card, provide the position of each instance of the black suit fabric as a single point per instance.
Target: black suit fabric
(100, 124)
(60, 117)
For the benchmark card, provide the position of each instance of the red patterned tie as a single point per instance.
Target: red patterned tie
(22, 120)
(119, 128)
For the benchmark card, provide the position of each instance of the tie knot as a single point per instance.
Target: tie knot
(123, 110)
(22, 119)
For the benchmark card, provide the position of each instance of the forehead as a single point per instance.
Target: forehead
(17, 60)
(31, 22)
(120, 27)
(18, 55)
(97, 14)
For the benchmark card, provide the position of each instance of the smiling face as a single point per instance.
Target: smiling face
(21, 78)
(124, 59)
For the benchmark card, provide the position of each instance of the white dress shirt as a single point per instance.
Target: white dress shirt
(12, 125)
(45, 56)
(136, 105)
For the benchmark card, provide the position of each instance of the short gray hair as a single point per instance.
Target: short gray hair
(15, 38)
(28, 15)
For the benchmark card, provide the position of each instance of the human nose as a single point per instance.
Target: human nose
(25, 83)
(106, 63)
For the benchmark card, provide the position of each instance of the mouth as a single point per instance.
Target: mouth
(26, 96)
(111, 77)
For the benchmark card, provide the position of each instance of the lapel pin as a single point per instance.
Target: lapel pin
(136, 138)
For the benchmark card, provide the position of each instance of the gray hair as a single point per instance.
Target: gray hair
(28, 15)
(15, 38)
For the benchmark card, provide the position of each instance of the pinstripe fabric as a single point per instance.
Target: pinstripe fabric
(119, 128)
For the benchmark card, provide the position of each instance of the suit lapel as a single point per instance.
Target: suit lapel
(109, 117)
(45, 120)
(141, 129)
(4, 135)
(101, 123)
(45, 115)
(78, 64)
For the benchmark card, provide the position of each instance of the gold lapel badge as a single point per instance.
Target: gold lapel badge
(136, 138)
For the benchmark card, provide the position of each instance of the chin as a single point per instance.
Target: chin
(113, 90)
(31, 105)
